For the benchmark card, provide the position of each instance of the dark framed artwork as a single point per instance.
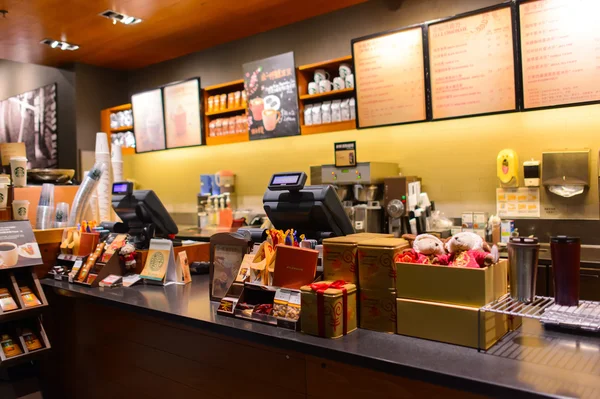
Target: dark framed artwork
(32, 118)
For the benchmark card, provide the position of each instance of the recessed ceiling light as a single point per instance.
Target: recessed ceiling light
(61, 45)
(118, 17)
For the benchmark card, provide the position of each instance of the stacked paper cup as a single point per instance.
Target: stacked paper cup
(117, 163)
(104, 186)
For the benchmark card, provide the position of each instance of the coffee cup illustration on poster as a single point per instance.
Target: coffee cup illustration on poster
(272, 97)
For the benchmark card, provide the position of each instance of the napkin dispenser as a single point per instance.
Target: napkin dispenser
(566, 173)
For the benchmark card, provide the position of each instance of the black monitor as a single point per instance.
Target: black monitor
(315, 211)
(143, 215)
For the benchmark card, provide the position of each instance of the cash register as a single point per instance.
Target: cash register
(142, 214)
(315, 211)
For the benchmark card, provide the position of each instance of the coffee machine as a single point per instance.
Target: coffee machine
(361, 190)
(400, 201)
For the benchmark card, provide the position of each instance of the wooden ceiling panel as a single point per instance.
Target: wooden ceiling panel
(170, 28)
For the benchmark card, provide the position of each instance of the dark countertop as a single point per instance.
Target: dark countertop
(204, 234)
(528, 362)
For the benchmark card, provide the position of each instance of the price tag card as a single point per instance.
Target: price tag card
(345, 154)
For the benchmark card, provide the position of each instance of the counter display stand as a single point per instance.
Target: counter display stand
(223, 88)
(304, 75)
(103, 270)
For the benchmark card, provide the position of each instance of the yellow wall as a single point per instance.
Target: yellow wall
(455, 158)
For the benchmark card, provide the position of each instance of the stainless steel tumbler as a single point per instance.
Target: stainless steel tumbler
(523, 253)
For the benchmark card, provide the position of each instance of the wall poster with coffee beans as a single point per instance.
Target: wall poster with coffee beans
(272, 93)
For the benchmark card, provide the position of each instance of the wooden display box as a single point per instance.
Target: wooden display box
(14, 279)
(452, 324)
(223, 88)
(452, 285)
(304, 75)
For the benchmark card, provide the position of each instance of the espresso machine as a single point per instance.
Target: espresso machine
(401, 202)
(361, 190)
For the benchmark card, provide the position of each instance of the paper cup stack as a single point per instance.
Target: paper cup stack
(104, 186)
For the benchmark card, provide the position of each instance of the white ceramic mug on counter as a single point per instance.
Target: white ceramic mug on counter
(344, 70)
(321, 74)
(313, 88)
(324, 86)
(349, 80)
(338, 83)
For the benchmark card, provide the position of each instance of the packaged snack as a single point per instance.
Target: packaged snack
(216, 103)
(232, 124)
(308, 115)
(244, 99)
(219, 127)
(231, 100)
(10, 347)
(345, 110)
(352, 106)
(293, 307)
(336, 115)
(211, 104)
(223, 102)
(316, 114)
(224, 126)
(211, 128)
(31, 341)
(237, 99)
(326, 112)
(29, 298)
(7, 303)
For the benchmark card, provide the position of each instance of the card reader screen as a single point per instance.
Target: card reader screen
(120, 188)
(285, 179)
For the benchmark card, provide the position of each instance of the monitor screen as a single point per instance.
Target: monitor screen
(120, 188)
(285, 179)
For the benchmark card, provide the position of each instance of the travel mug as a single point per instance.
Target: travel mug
(566, 252)
(523, 253)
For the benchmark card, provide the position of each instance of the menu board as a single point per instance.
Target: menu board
(472, 65)
(560, 48)
(182, 114)
(148, 119)
(272, 97)
(390, 78)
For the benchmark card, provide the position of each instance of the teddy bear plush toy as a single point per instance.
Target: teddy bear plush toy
(425, 249)
(467, 249)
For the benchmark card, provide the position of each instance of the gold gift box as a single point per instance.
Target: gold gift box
(377, 310)
(332, 317)
(452, 285)
(376, 264)
(452, 324)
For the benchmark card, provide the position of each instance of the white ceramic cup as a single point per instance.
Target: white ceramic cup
(18, 168)
(9, 253)
(20, 209)
(313, 88)
(338, 84)
(3, 195)
(344, 70)
(349, 79)
(324, 86)
(321, 74)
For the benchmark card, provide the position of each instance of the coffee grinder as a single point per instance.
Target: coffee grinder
(400, 198)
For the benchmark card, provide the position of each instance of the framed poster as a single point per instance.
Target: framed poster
(148, 121)
(272, 97)
(32, 118)
(390, 78)
(472, 63)
(182, 114)
(560, 52)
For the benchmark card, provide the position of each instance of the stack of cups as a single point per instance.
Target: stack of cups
(104, 185)
(45, 208)
(61, 216)
(117, 163)
(18, 167)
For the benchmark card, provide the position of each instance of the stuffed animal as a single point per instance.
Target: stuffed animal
(467, 249)
(127, 254)
(425, 249)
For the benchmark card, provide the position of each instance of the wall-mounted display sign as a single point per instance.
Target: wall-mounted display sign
(272, 97)
(472, 64)
(149, 124)
(390, 78)
(182, 114)
(560, 48)
(345, 154)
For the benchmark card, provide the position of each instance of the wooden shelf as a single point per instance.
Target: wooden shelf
(120, 108)
(121, 129)
(328, 127)
(128, 150)
(226, 111)
(226, 85)
(329, 94)
(325, 64)
(228, 139)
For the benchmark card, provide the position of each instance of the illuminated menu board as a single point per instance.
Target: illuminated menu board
(472, 65)
(390, 78)
(560, 47)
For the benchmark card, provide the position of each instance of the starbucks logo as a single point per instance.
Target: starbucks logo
(19, 171)
(156, 261)
(59, 214)
(22, 211)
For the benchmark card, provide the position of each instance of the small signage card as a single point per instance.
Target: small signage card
(9, 150)
(18, 247)
(183, 274)
(345, 154)
(160, 267)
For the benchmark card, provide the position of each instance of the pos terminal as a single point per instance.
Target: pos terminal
(315, 211)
